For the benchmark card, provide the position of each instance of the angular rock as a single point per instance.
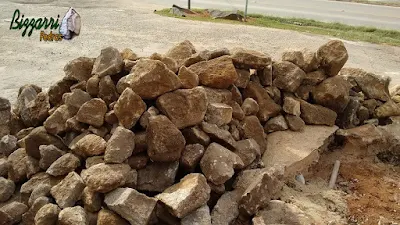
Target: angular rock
(243, 78)
(156, 177)
(362, 114)
(42, 190)
(13, 212)
(390, 108)
(287, 76)
(216, 73)
(196, 194)
(291, 106)
(89, 145)
(314, 78)
(250, 107)
(8, 144)
(47, 215)
(265, 76)
(268, 108)
(237, 111)
(227, 208)
(295, 56)
(258, 194)
(36, 111)
(252, 128)
(181, 51)
(91, 200)
(295, 123)
(218, 163)
(311, 62)
(129, 108)
(68, 191)
(218, 53)
(200, 216)
(150, 79)
(218, 135)
(140, 142)
(169, 62)
(64, 165)
(56, 122)
(248, 150)
(127, 53)
(165, 142)
(92, 112)
(144, 119)
(120, 146)
(73, 216)
(17, 170)
(333, 93)
(316, 114)
(111, 118)
(29, 216)
(26, 95)
(94, 160)
(133, 206)
(57, 90)
(81, 86)
(138, 162)
(32, 166)
(48, 154)
(277, 123)
(7, 188)
(348, 118)
(296, 151)
(92, 86)
(250, 59)
(109, 62)
(106, 177)
(108, 217)
(304, 92)
(191, 156)
(184, 107)
(189, 79)
(3, 167)
(215, 95)
(38, 179)
(218, 113)
(197, 57)
(194, 135)
(79, 69)
(107, 90)
(332, 55)
(76, 98)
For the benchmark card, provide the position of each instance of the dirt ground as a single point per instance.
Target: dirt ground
(371, 188)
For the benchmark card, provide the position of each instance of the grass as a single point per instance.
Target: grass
(342, 31)
(394, 4)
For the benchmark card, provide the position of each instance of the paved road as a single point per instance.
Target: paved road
(324, 10)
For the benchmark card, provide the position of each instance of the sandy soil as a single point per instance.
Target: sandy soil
(125, 23)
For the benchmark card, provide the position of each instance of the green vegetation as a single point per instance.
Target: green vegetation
(347, 32)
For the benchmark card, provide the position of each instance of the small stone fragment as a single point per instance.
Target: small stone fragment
(92, 112)
(68, 191)
(81, 86)
(186, 196)
(3, 167)
(218, 113)
(157, 176)
(250, 107)
(218, 163)
(56, 122)
(106, 177)
(291, 106)
(64, 165)
(133, 206)
(227, 208)
(165, 142)
(295, 57)
(237, 111)
(76, 98)
(129, 108)
(92, 86)
(109, 62)
(390, 108)
(7, 188)
(17, 170)
(189, 79)
(144, 119)
(277, 123)
(127, 53)
(120, 146)
(48, 154)
(73, 216)
(47, 215)
(181, 51)
(29, 216)
(195, 135)
(94, 160)
(191, 156)
(169, 62)
(138, 162)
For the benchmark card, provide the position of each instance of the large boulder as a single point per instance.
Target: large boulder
(333, 93)
(332, 55)
(184, 107)
(165, 142)
(150, 79)
(216, 73)
(287, 76)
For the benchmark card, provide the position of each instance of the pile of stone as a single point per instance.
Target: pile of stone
(171, 139)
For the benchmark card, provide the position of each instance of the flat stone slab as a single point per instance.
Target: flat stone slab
(296, 151)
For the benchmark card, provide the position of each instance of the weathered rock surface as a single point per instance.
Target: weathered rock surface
(165, 142)
(243, 78)
(169, 62)
(191, 156)
(200, 216)
(250, 107)
(12, 212)
(189, 79)
(92, 112)
(7, 188)
(79, 69)
(194, 135)
(332, 55)
(227, 208)
(89, 145)
(29, 216)
(218, 163)
(157, 176)
(17, 169)
(218, 135)
(181, 51)
(291, 106)
(144, 119)
(219, 114)
(314, 78)
(120, 146)
(68, 191)
(133, 206)
(107, 90)
(42, 190)
(63, 165)
(295, 123)
(216, 73)
(288, 76)
(189, 194)
(316, 114)
(184, 107)
(252, 128)
(248, 150)
(277, 123)
(333, 93)
(129, 108)
(73, 216)
(76, 98)
(108, 217)
(250, 59)
(109, 62)
(91, 200)
(390, 108)
(47, 215)
(8, 144)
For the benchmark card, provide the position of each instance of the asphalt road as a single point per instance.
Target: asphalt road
(323, 10)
